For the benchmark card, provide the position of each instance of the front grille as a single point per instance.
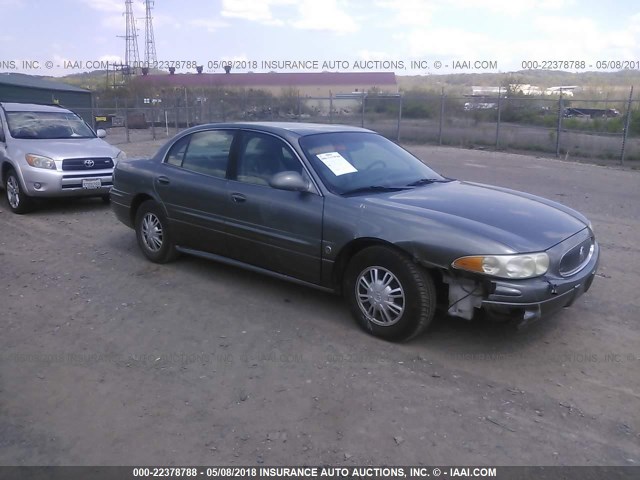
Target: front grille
(75, 186)
(90, 163)
(75, 181)
(577, 258)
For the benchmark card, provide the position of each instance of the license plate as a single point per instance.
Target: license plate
(91, 184)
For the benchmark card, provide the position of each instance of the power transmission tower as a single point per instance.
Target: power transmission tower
(150, 58)
(131, 55)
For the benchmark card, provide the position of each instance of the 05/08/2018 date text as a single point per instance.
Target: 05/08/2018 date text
(580, 64)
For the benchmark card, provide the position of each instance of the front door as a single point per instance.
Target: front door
(274, 229)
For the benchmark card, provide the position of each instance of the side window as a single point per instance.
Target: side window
(262, 156)
(176, 152)
(203, 152)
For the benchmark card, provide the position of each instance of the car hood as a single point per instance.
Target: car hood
(59, 149)
(519, 221)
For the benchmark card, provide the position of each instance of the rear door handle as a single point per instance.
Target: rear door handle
(164, 180)
(238, 198)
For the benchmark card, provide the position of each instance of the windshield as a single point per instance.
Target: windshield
(354, 162)
(47, 125)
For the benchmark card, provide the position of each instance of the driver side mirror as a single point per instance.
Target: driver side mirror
(289, 180)
(101, 133)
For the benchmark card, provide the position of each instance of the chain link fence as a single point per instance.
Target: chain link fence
(607, 130)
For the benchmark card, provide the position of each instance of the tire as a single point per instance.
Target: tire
(389, 295)
(152, 232)
(19, 202)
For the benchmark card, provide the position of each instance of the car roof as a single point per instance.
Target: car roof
(31, 107)
(283, 128)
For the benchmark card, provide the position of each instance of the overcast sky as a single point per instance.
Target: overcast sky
(506, 32)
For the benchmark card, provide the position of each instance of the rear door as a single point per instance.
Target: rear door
(274, 229)
(192, 185)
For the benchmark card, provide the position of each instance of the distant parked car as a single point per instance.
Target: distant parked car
(591, 112)
(345, 210)
(49, 151)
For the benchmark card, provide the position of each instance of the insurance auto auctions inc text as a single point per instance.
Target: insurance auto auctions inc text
(354, 472)
(243, 65)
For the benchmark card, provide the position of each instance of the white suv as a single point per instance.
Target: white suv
(49, 151)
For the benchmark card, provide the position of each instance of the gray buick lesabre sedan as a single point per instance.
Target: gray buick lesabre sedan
(345, 210)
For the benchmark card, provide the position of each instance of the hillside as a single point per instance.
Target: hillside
(612, 82)
(609, 81)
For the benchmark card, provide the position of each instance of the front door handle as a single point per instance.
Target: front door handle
(238, 198)
(164, 180)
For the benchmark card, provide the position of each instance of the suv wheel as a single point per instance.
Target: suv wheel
(19, 202)
(153, 233)
(389, 295)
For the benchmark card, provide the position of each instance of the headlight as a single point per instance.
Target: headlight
(120, 156)
(527, 265)
(38, 161)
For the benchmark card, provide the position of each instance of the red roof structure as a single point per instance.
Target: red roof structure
(366, 80)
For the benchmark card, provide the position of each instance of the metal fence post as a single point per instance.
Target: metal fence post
(93, 115)
(559, 126)
(498, 119)
(399, 117)
(176, 117)
(153, 121)
(186, 106)
(362, 97)
(625, 132)
(126, 119)
(441, 117)
(330, 107)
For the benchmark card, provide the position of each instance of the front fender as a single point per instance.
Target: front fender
(434, 240)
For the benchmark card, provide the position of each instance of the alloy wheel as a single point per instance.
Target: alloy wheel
(380, 296)
(152, 233)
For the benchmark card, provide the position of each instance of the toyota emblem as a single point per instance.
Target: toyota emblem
(89, 163)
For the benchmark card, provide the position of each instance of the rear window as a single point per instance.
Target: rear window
(203, 152)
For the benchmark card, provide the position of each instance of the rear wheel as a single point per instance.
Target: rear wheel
(19, 201)
(389, 295)
(152, 232)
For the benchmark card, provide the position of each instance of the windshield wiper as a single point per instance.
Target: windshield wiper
(374, 188)
(426, 181)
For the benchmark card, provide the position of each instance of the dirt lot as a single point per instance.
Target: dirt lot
(108, 359)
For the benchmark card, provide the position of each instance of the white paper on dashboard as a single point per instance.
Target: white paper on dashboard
(336, 163)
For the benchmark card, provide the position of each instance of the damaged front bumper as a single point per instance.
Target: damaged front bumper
(523, 301)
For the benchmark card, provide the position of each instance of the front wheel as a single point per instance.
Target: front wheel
(19, 201)
(152, 232)
(389, 295)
